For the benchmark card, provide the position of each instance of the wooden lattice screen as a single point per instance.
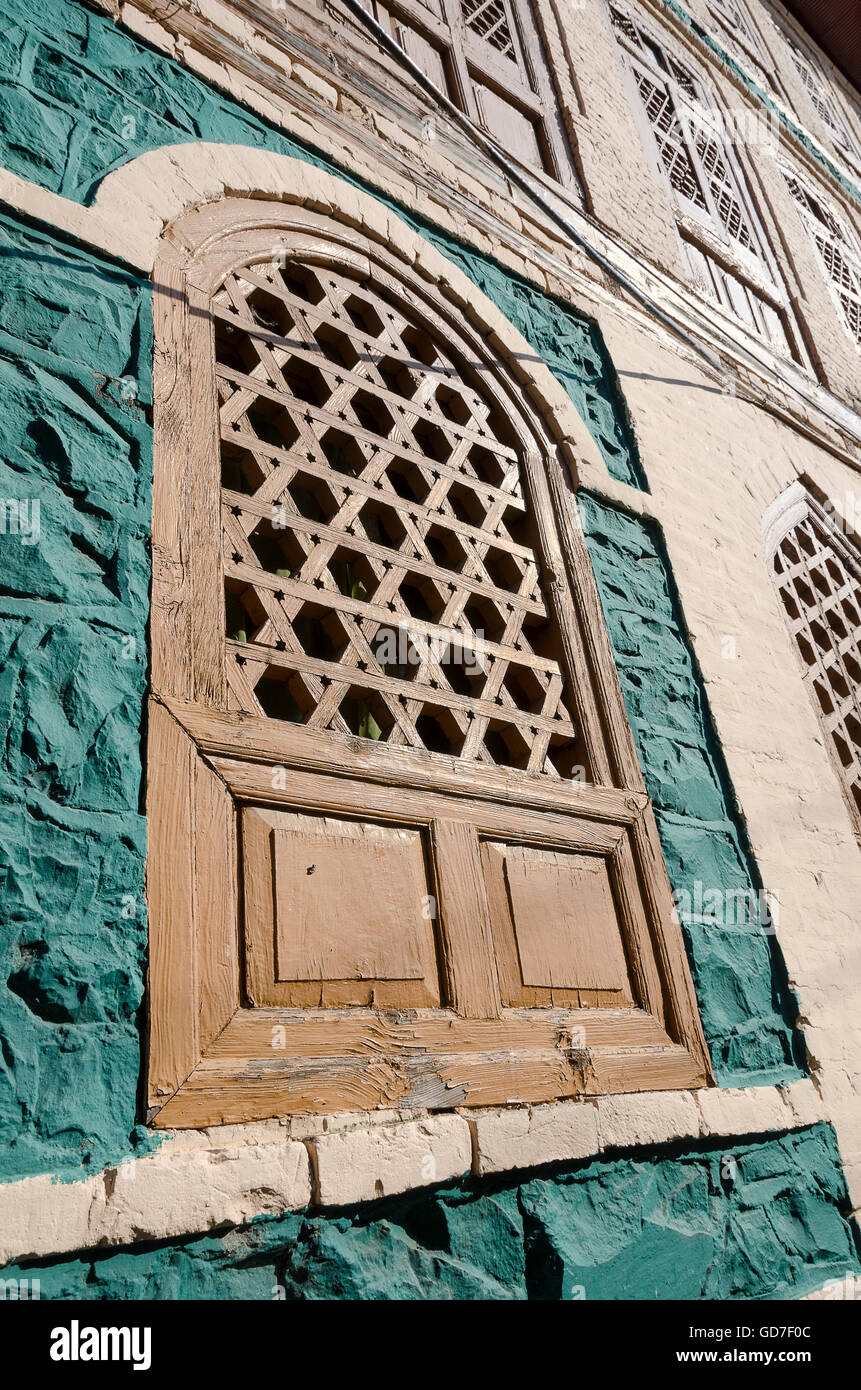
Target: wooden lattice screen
(400, 847)
(393, 591)
(837, 248)
(818, 576)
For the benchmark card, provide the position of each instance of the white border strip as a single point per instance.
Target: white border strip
(201, 1180)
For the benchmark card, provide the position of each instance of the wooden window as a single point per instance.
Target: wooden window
(815, 84)
(400, 847)
(838, 250)
(717, 214)
(739, 298)
(737, 34)
(816, 565)
(692, 150)
(488, 57)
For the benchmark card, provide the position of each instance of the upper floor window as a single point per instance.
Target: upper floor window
(488, 58)
(737, 33)
(838, 250)
(400, 846)
(815, 83)
(816, 567)
(719, 226)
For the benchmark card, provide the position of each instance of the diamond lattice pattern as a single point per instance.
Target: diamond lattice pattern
(380, 562)
(821, 593)
(488, 19)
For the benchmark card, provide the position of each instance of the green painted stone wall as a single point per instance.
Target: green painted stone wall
(73, 664)
(75, 355)
(764, 1221)
(745, 1004)
(79, 97)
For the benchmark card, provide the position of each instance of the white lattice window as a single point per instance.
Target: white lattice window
(740, 39)
(739, 298)
(708, 187)
(816, 567)
(838, 250)
(487, 56)
(692, 150)
(814, 81)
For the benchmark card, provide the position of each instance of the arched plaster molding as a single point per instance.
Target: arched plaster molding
(138, 202)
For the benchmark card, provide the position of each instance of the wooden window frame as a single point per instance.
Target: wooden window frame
(738, 32)
(212, 1055)
(702, 230)
(467, 60)
(673, 77)
(821, 96)
(829, 232)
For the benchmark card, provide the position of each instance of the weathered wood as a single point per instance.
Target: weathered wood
(173, 985)
(452, 487)
(226, 733)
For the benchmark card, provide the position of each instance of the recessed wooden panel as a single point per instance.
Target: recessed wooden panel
(349, 897)
(344, 904)
(557, 925)
(564, 920)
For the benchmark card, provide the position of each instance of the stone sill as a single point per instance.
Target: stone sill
(200, 1180)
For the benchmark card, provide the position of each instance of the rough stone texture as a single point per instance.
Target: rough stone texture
(356, 1165)
(116, 99)
(72, 677)
(658, 1117)
(167, 1195)
(529, 1136)
(710, 495)
(71, 981)
(741, 1112)
(157, 1197)
(648, 1227)
(231, 1174)
(805, 1102)
(70, 344)
(745, 1007)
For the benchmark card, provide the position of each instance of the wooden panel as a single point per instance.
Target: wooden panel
(514, 130)
(337, 912)
(348, 901)
(565, 920)
(262, 1065)
(468, 952)
(222, 733)
(173, 1041)
(216, 901)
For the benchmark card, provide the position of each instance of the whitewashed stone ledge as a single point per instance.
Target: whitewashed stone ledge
(357, 1165)
(200, 1180)
(527, 1137)
(166, 1194)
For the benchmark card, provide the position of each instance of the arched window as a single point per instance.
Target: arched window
(816, 566)
(400, 848)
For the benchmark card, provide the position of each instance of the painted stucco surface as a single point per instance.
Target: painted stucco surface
(73, 662)
(75, 345)
(737, 967)
(73, 340)
(75, 355)
(761, 1221)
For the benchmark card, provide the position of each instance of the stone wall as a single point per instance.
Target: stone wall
(761, 1220)
(75, 356)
